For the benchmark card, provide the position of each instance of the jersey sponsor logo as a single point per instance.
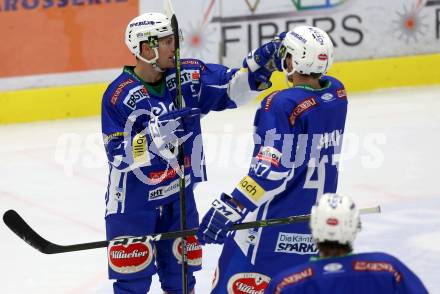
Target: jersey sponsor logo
(161, 108)
(294, 278)
(130, 257)
(158, 177)
(269, 154)
(301, 108)
(134, 96)
(119, 90)
(249, 283)
(251, 237)
(193, 62)
(376, 266)
(139, 148)
(195, 76)
(110, 137)
(186, 76)
(193, 249)
(341, 93)
(251, 189)
(269, 101)
(166, 191)
(327, 97)
(190, 61)
(333, 267)
(301, 244)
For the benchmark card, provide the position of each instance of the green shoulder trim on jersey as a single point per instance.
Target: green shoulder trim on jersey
(325, 85)
(316, 258)
(157, 89)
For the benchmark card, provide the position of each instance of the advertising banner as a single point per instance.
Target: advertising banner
(41, 37)
(360, 29)
(59, 36)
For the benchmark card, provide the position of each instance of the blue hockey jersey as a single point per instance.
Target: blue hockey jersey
(298, 139)
(359, 273)
(138, 179)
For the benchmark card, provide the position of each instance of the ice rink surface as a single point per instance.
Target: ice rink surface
(54, 174)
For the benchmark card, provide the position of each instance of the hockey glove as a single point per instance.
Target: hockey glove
(170, 129)
(262, 62)
(218, 220)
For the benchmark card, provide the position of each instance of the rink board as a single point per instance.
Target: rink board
(85, 100)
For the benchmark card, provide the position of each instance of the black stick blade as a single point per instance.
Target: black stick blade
(17, 224)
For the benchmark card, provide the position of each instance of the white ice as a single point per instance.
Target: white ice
(54, 175)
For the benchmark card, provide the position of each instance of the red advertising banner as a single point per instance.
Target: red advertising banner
(56, 36)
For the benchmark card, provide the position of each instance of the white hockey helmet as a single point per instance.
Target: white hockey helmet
(335, 218)
(148, 27)
(311, 50)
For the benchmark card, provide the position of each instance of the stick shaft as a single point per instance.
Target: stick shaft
(16, 223)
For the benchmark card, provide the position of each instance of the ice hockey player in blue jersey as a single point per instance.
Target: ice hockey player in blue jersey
(298, 138)
(142, 127)
(334, 223)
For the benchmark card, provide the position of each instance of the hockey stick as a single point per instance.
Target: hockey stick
(180, 155)
(17, 224)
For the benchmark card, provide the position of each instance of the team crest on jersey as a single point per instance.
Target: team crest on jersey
(248, 283)
(327, 97)
(129, 258)
(269, 154)
(134, 96)
(193, 248)
(333, 267)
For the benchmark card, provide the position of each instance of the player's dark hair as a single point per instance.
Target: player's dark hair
(313, 75)
(333, 248)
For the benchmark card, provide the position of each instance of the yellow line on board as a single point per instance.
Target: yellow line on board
(367, 75)
(51, 103)
(85, 100)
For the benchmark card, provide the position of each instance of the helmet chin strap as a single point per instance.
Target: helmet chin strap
(152, 61)
(288, 74)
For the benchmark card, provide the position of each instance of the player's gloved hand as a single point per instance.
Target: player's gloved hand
(166, 131)
(218, 220)
(262, 62)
